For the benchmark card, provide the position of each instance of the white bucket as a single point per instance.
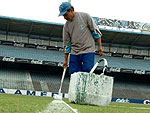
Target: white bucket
(90, 88)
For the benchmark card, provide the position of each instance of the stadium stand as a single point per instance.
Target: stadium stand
(134, 90)
(57, 56)
(31, 56)
(14, 79)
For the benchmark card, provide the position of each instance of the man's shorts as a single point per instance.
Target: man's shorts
(81, 63)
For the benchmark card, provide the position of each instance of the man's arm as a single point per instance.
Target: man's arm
(100, 46)
(97, 36)
(67, 45)
(67, 50)
(65, 64)
(95, 33)
(99, 43)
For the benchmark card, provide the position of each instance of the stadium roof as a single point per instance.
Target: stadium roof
(31, 27)
(53, 31)
(126, 38)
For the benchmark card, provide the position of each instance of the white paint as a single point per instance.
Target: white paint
(59, 106)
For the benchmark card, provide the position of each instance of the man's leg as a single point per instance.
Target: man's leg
(75, 64)
(88, 62)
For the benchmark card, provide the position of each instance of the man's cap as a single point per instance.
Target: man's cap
(64, 7)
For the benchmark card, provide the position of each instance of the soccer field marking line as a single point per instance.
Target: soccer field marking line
(140, 108)
(133, 107)
(59, 106)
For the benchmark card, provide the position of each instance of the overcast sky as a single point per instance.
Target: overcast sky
(47, 10)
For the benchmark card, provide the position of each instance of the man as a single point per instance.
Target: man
(79, 35)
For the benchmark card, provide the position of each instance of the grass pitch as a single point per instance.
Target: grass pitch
(32, 104)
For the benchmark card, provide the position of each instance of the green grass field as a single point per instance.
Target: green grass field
(32, 104)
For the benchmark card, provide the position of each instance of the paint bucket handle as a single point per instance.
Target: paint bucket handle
(95, 66)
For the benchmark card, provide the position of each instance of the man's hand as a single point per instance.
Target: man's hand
(65, 64)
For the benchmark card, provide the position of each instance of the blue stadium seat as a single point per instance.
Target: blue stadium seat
(56, 56)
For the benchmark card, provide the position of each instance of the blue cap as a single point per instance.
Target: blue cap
(64, 7)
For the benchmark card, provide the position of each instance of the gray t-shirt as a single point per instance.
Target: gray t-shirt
(78, 33)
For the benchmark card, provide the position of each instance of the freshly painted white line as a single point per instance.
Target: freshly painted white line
(59, 106)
